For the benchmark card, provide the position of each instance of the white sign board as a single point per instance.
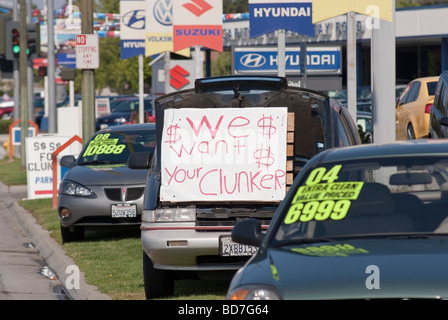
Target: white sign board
(102, 106)
(224, 154)
(87, 51)
(39, 166)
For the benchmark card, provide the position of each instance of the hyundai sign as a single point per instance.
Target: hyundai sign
(264, 60)
(269, 15)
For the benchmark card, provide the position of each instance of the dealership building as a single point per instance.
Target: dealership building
(421, 48)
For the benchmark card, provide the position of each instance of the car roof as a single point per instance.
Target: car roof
(403, 149)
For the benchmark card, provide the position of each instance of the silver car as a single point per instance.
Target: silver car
(98, 188)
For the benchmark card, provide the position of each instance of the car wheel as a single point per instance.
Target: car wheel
(158, 283)
(72, 235)
(410, 134)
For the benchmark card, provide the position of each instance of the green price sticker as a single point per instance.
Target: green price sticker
(103, 145)
(323, 198)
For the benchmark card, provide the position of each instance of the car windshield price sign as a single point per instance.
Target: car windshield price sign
(87, 51)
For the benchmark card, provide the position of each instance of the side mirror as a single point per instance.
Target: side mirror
(67, 161)
(248, 232)
(139, 160)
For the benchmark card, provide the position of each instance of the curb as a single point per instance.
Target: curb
(49, 249)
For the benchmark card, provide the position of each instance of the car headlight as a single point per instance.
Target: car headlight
(74, 189)
(169, 215)
(254, 292)
(120, 120)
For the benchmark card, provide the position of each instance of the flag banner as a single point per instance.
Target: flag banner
(197, 22)
(268, 16)
(159, 28)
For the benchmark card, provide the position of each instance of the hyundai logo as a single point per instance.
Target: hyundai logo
(163, 12)
(134, 19)
(253, 60)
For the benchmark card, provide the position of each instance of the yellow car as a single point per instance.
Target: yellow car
(413, 107)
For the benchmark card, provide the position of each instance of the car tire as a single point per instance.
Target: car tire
(410, 134)
(158, 283)
(72, 235)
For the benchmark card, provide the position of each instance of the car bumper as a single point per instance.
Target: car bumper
(179, 246)
(95, 211)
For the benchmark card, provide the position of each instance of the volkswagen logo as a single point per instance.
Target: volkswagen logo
(253, 60)
(163, 12)
(134, 19)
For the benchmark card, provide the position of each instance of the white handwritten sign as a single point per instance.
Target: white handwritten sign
(224, 154)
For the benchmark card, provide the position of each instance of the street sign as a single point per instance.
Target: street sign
(87, 51)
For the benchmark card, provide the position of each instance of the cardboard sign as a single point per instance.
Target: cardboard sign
(224, 154)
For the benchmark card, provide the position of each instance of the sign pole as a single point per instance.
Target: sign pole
(351, 64)
(281, 53)
(141, 107)
(88, 77)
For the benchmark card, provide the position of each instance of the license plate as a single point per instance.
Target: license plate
(123, 210)
(229, 248)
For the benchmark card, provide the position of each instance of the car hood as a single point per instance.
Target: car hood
(102, 175)
(368, 269)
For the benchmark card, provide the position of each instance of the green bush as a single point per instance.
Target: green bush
(4, 126)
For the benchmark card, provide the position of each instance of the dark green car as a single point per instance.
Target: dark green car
(361, 222)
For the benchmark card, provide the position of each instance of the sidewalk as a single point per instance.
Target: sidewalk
(49, 249)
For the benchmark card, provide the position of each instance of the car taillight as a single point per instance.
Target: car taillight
(428, 108)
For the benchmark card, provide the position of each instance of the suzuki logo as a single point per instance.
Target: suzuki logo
(253, 60)
(163, 12)
(198, 8)
(134, 19)
(178, 77)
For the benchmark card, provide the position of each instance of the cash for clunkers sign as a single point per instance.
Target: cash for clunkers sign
(226, 154)
(39, 164)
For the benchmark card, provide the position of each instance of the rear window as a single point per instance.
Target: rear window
(431, 87)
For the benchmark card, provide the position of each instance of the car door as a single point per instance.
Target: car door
(404, 109)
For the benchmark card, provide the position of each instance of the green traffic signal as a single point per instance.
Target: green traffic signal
(16, 49)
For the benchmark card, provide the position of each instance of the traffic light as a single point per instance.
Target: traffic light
(12, 41)
(3, 20)
(33, 39)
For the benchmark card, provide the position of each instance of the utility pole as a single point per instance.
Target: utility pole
(88, 76)
(23, 73)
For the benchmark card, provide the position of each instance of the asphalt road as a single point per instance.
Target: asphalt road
(33, 266)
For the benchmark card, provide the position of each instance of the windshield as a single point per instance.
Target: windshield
(363, 198)
(115, 147)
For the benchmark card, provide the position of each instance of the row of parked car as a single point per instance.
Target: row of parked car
(270, 185)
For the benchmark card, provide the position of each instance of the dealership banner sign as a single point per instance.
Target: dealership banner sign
(132, 28)
(268, 16)
(320, 60)
(224, 154)
(159, 29)
(197, 22)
